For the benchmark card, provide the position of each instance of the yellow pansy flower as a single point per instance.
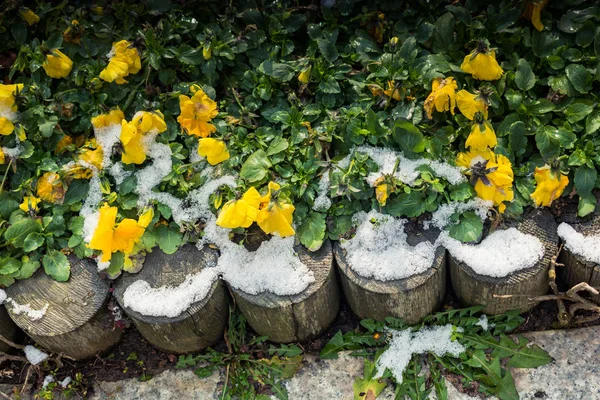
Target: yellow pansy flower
(73, 33)
(481, 63)
(114, 117)
(469, 104)
(240, 213)
(304, 75)
(392, 91)
(150, 121)
(533, 12)
(6, 126)
(50, 188)
(197, 112)
(7, 95)
(491, 175)
(382, 192)
(110, 237)
(442, 96)
(375, 89)
(124, 61)
(57, 64)
(549, 186)
(214, 150)
(29, 16)
(30, 203)
(89, 158)
(482, 136)
(134, 151)
(277, 218)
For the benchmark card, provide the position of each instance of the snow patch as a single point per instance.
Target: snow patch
(441, 217)
(48, 379)
(484, 323)
(3, 296)
(405, 343)
(379, 249)
(33, 315)
(322, 201)
(35, 356)
(579, 244)
(498, 255)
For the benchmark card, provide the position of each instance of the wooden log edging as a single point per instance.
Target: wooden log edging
(78, 322)
(512, 292)
(301, 317)
(577, 269)
(409, 299)
(202, 324)
(8, 329)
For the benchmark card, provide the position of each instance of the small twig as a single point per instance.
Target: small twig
(26, 378)
(11, 344)
(563, 315)
(5, 395)
(9, 357)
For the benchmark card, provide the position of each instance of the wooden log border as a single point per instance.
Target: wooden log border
(78, 322)
(300, 317)
(199, 326)
(514, 291)
(8, 329)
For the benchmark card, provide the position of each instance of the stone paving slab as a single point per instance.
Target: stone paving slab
(573, 375)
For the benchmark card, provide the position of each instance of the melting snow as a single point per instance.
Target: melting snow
(581, 245)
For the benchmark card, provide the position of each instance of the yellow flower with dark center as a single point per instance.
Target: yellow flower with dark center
(50, 188)
(469, 104)
(242, 212)
(73, 32)
(304, 75)
(124, 61)
(491, 174)
(550, 185)
(30, 203)
(150, 121)
(57, 64)
(392, 91)
(7, 97)
(481, 63)
(197, 112)
(6, 126)
(275, 215)
(134, 151)
(442, 96)
(214, 150)
(29, 16)
(533, 12)
(482, 136)
(114, 117)
(110, 237)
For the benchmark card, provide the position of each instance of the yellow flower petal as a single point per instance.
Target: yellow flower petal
(112, 118)
(50, 188)
(469, 104)
(29, 16)
(57, 64)
(549, 186)
(127, 233)
(134, 150)
(482, 66)
(482, 136)
(197, 112)
(277, 218)
(6, 126)
(240, 213)
(124, 61)
(214, 150)
(442, 96)
(30, 203)
(103, 235)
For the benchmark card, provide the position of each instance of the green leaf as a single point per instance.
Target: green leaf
(168, 238)
(406, 204)
(573, 20)
(443, 33)
(18, 231)
(585, 180)
(592, 123)
(524, 77)
(57, 265)
(409, 137)
(367, 387)
(278, 145)
(9, 266)
(28, 268)
(577, 111)
(587, 204)
(579, 77)
(333, 347)
(469, 228)
(256, 166)
(279, 71)
(33, 241)
(312, 231)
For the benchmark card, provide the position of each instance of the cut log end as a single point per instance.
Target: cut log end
(515, 291)
(409, 299)
(199, 326)
(77, 322)
(576, 268)
(301, 317)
